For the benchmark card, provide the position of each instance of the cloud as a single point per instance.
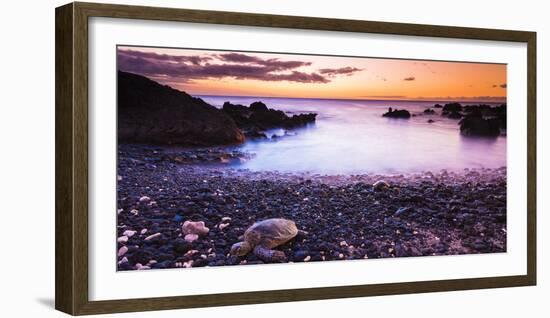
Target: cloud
(273, 64)
(348, 70)
(225, 65)
(409, 79)
(193, 59)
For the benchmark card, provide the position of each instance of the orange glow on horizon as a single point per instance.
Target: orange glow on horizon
(331, 77)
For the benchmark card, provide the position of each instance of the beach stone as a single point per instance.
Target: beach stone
(123, 261)
(129, 233)
(182, 246)
(299, 256)
(122, 239)
(223, 226)
(200, 262)
(162, 265)
(401, 211)
(153, 236)
(191, 237)
(144, 199)
(198, 228)
(122, 251)
(380, 185)
(140, 256)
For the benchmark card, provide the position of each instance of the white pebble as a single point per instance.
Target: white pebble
(143, 231)
(129, 233)
(307, 258)
(191, 237)
(144, 199)
(152, 236)
(223, 226)
(122, 239)
(226, 218)
(122, 251)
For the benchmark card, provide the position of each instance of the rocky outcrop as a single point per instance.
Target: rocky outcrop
(478, 126)
(452, 107)
(149, 112)
(483, 120)
(397, 113)
(257, 117)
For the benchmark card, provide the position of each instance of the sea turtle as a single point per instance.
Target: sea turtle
(263, 236)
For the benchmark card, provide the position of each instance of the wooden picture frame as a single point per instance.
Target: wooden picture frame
(72, 280)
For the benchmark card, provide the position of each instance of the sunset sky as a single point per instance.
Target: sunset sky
(204, 72)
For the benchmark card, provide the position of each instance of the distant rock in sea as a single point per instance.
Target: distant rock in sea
(397, 113)
(256, 118)
(429, 111)
(149, 112)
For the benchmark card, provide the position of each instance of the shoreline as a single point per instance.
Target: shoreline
(420, 214)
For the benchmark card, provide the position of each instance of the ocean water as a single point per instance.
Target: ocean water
(352, 137)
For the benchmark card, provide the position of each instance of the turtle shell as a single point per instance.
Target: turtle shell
(273, 232)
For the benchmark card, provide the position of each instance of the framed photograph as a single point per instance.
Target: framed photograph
(218, 158)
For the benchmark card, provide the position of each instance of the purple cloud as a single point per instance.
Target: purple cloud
(410, 78)
(194, 59)
(348, 70)
(225, 65)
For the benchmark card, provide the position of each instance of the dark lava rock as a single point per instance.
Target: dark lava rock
(149, 112)
(438, 106)
(299, 256)
(258, 107)
(429, 111)
(431, 121)
(182, 246)
(477, 126)
(140, 256)
(397, 113)
(454, 115)
(200, 262)
(258, 117)
(452, 107)
(162, 265)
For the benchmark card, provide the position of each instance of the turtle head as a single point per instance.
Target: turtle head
(240, 249)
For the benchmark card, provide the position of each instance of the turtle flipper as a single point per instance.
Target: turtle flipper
(268, 255)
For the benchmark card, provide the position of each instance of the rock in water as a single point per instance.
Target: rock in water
(452, 107)
(198, 228)
(478, 126)
(149, 112)
(258, 117)
(397, 113)
(429, 111)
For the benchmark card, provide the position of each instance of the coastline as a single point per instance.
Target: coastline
(420, 214)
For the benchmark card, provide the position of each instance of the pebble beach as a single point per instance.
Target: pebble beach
(346, 217)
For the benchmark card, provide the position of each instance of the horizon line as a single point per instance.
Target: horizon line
(371, 99)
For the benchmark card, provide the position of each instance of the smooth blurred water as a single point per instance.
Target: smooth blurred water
(352, 137)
